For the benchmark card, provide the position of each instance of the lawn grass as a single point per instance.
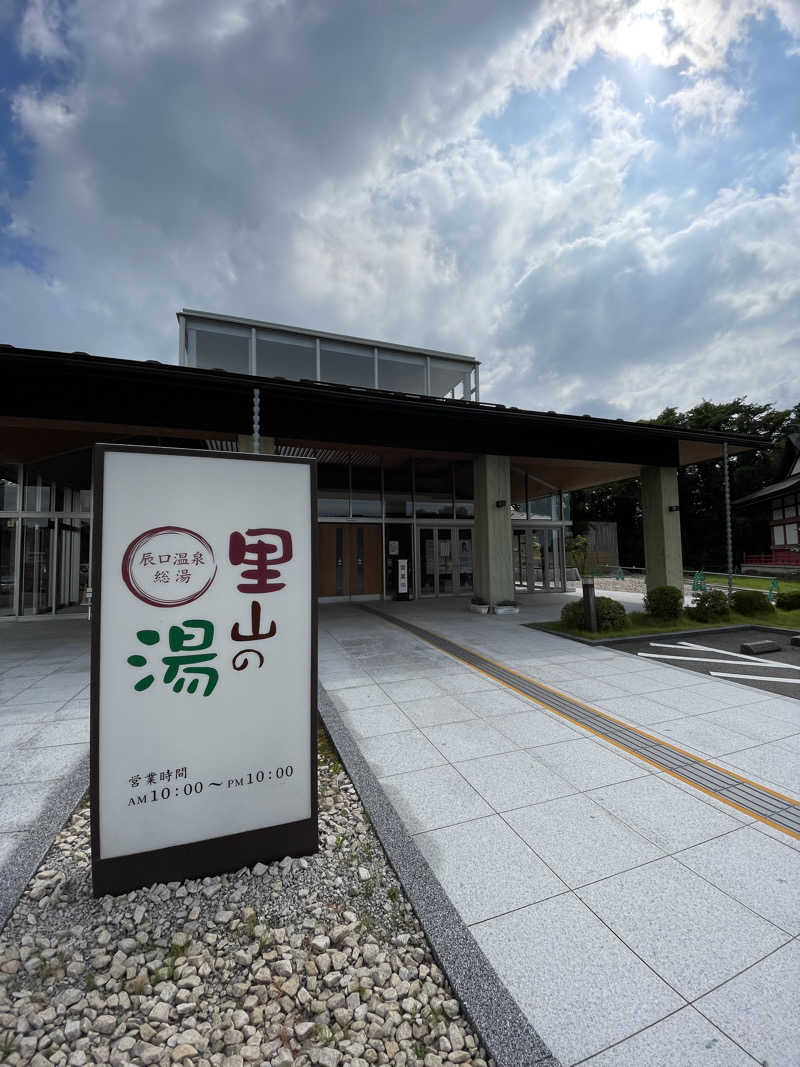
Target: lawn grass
(640, 623)
(747, 581)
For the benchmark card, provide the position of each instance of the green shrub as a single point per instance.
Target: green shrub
(713, 604)
(750, 602)
(479, 600)
(788, 601)
(610, 614)
(572, 615)
(664, 602)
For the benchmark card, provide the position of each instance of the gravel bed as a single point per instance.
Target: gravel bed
(317, 960)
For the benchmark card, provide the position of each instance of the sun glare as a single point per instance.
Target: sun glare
(641, 36)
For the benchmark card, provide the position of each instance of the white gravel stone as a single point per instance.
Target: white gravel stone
(305, 962)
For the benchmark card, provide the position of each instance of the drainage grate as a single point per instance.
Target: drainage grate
(755, 800)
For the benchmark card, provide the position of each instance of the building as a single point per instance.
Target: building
(412, 465)
(781, 501)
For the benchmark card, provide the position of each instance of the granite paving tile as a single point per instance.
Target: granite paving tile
(361, 696)
(759, 872)
(398, 752)
(667, 816)
(467, 740)
(578, 1009)
(513, 779)
(432, 711)
(460, 681)
(39, 764)
(639, 710)
(683, 1039)
(24, 713)
(413, 689)
(693, 935)
(698, 735)
(372, 722)
(531, 728)
(690, 699)
(758, 725)
(494, 702)
(586, 764)
(579, 840)
(433, 798)
(768, 763)
(486, 869)
(758, 1008)
(12, 735)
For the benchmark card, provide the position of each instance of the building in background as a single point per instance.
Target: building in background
(781, 501)
(416, 474)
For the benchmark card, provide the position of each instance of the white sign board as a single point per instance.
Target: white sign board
(402, 576)
(204, 664)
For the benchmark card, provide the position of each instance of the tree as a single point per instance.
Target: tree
(701, 486)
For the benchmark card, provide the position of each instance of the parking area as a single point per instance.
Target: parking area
(719, 654)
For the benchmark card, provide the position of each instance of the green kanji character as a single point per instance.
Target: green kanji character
(192, 653)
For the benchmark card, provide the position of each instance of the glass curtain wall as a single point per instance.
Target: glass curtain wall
(219, 344)
(45, 526)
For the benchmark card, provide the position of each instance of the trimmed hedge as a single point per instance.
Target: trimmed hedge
(750, 602)
(713, 604)
(610, 614)
(664, 602)
(788, 601)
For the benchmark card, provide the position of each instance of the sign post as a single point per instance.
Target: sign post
(204, 664)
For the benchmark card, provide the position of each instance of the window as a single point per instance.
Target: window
(401, 374)
(285, 355)
(397, 489)
(366, 491)
(223, 351)
(333, 497)
(347, 364)
(433, 489)
(9, 487)
(446, 376)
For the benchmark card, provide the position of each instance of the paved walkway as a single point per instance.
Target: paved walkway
(635, 920)
(44, 741)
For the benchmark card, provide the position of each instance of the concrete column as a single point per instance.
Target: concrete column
(494, 568)
(663, 557)
(267, 444)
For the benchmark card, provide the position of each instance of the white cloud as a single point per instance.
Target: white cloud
(708, 105)
(324, 165)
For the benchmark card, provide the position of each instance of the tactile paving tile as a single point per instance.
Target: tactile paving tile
(747, 796)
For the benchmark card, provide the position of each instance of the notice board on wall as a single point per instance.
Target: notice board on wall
(203, 715)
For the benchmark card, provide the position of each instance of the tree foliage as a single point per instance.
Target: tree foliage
(701, 487)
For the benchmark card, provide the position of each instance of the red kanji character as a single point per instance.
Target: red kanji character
(255, 623)
(264, 555)
(198, 560)
(181, 559)
(147, 560)
(161, 576)
(184, 575)
(165, 557)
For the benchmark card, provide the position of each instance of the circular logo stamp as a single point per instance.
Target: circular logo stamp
(168, 566)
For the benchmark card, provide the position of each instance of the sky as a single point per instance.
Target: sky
(599, 199)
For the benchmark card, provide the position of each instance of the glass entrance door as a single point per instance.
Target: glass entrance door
(445, 560)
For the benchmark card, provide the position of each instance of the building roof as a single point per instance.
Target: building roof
(56, 401)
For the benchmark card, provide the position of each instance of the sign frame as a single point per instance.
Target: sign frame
(216, 855)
